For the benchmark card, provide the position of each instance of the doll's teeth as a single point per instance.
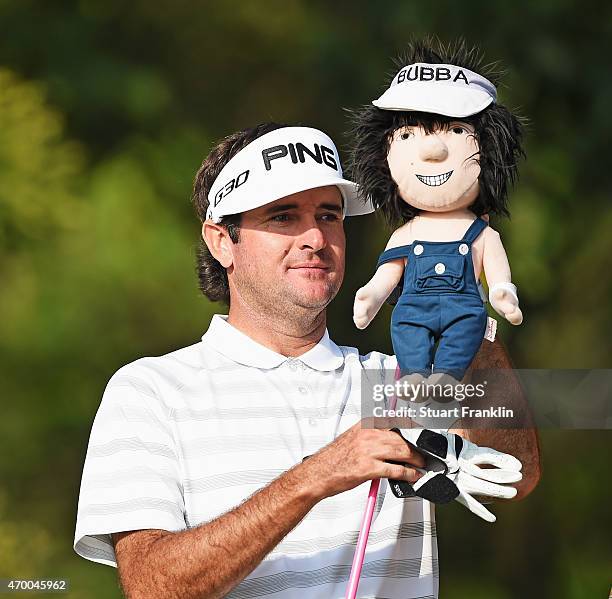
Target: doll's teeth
(434, 180)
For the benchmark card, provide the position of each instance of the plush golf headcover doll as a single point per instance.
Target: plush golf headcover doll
(436, 154)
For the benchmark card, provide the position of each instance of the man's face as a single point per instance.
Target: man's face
(436, 172)
(290, 252)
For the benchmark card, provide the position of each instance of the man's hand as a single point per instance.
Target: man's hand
(359, 455)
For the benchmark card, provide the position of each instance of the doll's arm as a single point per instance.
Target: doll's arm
(372, 296)
(502, 293)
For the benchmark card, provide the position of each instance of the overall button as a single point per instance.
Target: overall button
(440, 268)
(312, 421)
(418, 249)
(303, 390)
(463, 249)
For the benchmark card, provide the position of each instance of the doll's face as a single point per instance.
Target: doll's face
(436, 172)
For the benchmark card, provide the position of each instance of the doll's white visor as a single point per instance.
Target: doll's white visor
(438, 88)
(280, 163)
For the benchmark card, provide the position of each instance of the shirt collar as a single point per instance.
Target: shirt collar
(235, 345)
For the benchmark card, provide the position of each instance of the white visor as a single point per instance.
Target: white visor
(280, 163)
(438, 88)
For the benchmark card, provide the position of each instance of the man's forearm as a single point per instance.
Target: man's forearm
(210, 560)
(520, 441)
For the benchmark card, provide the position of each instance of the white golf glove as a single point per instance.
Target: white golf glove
(452, 471)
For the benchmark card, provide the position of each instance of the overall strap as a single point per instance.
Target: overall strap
(402, 251)
(476, 228)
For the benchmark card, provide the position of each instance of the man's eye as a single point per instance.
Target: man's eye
(405, 134)
(280, 218)
(459, 130)
(330, 217)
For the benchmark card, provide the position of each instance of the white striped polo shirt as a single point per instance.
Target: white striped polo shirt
(180, 439)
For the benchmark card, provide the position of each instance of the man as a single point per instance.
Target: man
(195, 482)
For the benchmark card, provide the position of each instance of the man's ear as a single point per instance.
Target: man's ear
(218, 241)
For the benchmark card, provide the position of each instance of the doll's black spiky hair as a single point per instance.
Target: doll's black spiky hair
(498, 131)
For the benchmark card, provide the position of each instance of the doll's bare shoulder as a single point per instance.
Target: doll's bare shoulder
(401, 236)
(491, 234)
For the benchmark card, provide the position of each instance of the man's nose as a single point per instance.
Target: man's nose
(312, 238)
(433, 148)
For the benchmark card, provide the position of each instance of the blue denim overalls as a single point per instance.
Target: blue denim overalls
(440, 301)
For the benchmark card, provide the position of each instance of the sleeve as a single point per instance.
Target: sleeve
(131, 476)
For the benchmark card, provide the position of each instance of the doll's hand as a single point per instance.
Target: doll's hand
(505, 302)
(365, 308)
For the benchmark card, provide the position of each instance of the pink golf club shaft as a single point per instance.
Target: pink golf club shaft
(362, 540)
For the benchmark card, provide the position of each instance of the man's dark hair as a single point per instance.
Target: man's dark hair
(498, 132)
(212, 276)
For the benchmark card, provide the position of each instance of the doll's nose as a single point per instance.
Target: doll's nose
(433, 148)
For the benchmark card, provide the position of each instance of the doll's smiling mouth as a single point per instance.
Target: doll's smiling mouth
(434, 180)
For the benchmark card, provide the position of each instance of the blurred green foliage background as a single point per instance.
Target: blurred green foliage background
(106, 111)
